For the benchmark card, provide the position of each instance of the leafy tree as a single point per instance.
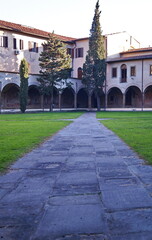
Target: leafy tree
(94, 68)
(23, 85)
(54, 66)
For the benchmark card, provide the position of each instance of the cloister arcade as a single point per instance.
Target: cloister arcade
(131, 97)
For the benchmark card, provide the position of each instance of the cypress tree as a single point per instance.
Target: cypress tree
(55, 66)
(23, 85)
(94, 68)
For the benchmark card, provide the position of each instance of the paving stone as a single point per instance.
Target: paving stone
(126, 198)
(133, 236)
(72, 219)
(118, 183)
(133, 221)
(82, 199)
(84, 237)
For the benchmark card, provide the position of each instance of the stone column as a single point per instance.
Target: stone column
(123, 100)
(42, 102)
(75, 100)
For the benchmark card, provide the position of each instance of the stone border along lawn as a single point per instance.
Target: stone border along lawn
(135, 128)
(19, 133)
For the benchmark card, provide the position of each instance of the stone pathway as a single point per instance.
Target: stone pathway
(82, 184)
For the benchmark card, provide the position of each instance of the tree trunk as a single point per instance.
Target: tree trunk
(51, 104)
(98, 103)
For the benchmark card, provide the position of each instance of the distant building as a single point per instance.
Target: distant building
(129, 70)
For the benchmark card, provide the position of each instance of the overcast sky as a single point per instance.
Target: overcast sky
(73, 18)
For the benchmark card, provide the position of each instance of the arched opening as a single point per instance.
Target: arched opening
(34, 98)
(123, 73)
(10, 96)
(148, 97)
(47, 99)
(79, 73)
(133, 97)
(115, 98)
(94, 100)
(67, 98)
(82, 98)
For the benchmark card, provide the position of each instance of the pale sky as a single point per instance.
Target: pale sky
(73, 18)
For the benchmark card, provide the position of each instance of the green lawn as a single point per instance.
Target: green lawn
(19, 133)
(135, 128)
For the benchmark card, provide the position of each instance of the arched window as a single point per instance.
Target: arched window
(79, 73)
(123, 73)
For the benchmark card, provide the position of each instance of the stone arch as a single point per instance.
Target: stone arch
(10, 96)
(114, 98)
(133, 97)
(82, 98)
(148, 97)
(67, 98)
(34, 97)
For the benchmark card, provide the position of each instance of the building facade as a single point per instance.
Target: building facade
(129, 70)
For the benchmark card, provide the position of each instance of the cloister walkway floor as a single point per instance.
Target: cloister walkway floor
(82, 184)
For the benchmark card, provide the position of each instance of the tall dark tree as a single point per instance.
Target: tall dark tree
(94, 68)
(23, 85)
(55, 66)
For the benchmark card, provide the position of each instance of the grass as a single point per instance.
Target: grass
(135, 128)
(19, 133)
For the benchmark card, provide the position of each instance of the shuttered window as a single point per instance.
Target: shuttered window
(21, 44)
(4, 41)
(79, 52)
(14, 43)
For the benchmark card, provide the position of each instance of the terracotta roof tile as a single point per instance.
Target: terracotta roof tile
(30, 31)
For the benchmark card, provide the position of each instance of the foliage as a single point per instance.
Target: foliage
(23, 85)
(54, 66)
(134, 128)
(94, 68)
(20, 133)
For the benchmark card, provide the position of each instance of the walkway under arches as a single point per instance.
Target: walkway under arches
(115, 98)
(67, 98)
(133, 97)
(82, 98)
(148, 97)
(10, 96)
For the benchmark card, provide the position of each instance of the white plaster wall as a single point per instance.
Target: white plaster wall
(119, 42)
(78, 62)
(131, 81)
(11, 62)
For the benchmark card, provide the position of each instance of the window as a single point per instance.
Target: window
(79, 73)
(14, 43)
(70, 51)
(79, 52)
(33, 47)
(133, 71)
(4, 41)
(123, 73)
(21, 44)
(114, 72)
(150, 69)
(18, 44)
